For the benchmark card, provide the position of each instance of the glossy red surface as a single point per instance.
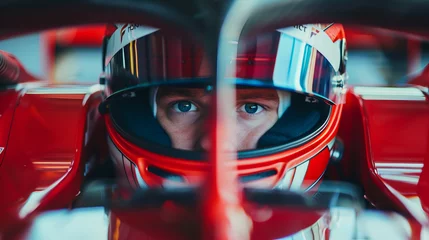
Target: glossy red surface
(386, 134)
(9, 100)
(47, 148)
(370, 157)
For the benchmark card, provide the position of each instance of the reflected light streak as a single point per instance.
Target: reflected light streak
(34, 199)
(54, 165)
(397, 170)
(399, 165)
(415, 199)
(390, 93)
(59, 90)
(379, 225)
(343, 223)
(406, 179)
(414, 209)
(84, 223)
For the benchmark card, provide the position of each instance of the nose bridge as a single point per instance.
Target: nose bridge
(206, 123)
(204, 139)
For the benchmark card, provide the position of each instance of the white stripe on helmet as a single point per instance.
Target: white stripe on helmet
(123, 36)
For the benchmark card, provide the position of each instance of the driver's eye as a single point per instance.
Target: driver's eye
(251, 108)
(184, 106)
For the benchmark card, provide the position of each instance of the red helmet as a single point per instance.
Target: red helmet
(289, 93)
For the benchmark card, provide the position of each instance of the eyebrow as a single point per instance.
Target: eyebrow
(199, 92)
(193, 93)
(258, 95)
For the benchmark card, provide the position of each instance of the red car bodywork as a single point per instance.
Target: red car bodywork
(50, 135)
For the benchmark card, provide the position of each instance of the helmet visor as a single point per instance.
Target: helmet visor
(294, 59)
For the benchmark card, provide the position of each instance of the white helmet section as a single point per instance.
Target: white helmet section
(316, 37)
(125, 167)
(123, 36)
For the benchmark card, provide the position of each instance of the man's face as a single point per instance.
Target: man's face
(183, 112)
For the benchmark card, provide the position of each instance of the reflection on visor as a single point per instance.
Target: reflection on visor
(272, 60)
(157, 57)
(293, 65)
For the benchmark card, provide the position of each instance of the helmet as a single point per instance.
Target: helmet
(290, 86)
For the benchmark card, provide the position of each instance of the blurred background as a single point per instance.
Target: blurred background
(376, 56)
(61, 55)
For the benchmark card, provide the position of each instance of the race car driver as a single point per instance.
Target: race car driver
(289, 86)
